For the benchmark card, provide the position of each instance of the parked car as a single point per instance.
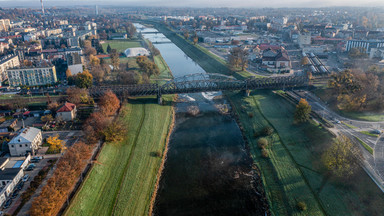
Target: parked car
(32, 165)
(29, 168)
(7, 204)
(20, 185)
(38, 157)
(25, 178)
(375, 131)
(14, 195)
(35, 160)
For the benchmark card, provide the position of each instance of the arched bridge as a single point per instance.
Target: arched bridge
(202, 83)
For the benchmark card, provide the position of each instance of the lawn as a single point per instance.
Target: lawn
(121, 45)
(294, 171)
(123, 180)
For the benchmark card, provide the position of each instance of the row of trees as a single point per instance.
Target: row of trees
(55, 192)
(99, 126)
(357, 90)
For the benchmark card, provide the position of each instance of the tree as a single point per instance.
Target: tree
(84, 79)
(146, 66)
(303, 109)
(109, 103)
(78, 95)
(55, 143)
(186, 35)
(94, 126)
(95, 62)
(238, 57)
(109, 49)
(305, 60)
(98, 74)
(68, 73)
(195, 39)
(114, 132)
(115, 59)
(341, 158)
(46, 118)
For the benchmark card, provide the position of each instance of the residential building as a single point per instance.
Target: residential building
(304, 39)
(3, 46)
(5, 25)
(7, 62)
(276, 60)
(32, 76)
(8, 125)
(67, 112)
(27, 140)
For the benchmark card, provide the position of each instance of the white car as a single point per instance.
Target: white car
(25, 178)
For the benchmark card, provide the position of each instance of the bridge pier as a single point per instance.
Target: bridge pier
(159, 100)
(246, 93)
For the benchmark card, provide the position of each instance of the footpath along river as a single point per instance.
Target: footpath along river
(208, 170)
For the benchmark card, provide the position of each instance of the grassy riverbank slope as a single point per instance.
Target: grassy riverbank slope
(123, 180)
(293, 172)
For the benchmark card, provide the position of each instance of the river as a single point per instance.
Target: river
(208, 170)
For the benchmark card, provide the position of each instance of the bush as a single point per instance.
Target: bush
(264, 153)
(158, 153)
(250, 115)
(302, 206)
(267, 131)
(262, 143)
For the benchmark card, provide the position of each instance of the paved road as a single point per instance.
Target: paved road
(373, 164)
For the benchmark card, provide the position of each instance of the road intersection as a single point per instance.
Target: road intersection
(356, 130)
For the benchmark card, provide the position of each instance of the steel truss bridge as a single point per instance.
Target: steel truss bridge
(202, 82)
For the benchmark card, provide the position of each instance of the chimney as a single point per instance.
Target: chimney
(42, 7)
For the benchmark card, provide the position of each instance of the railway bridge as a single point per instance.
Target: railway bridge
(202, 82)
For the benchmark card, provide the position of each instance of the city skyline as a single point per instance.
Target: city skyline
(201, 3)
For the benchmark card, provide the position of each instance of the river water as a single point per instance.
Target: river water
(207, 171)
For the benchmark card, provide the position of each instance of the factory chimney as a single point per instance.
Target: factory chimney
(42, 7)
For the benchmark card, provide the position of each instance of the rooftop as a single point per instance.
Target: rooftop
(25, 135)
(9, 173)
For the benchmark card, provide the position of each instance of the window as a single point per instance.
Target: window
(21, 146)
(12, 146)
(26, 145)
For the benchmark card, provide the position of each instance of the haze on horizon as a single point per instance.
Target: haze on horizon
(201, 3)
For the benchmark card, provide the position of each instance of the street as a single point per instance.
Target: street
(373, 163)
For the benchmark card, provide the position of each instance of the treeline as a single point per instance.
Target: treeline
(55, 192)
(98, 126)
(357, 90)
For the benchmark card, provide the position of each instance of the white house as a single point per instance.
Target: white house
(67, 112)
(27, 141)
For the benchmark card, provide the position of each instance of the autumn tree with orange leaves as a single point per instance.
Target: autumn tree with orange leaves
(109, 103)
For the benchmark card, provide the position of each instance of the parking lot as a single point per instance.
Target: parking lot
(17, 200)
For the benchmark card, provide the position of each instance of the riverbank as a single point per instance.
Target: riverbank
(293, 172)
(125, 178)
(203, 57)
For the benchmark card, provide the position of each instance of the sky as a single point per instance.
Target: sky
(199, 3)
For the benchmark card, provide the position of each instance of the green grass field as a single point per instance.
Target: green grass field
(123, 180)
(294, 171)
(120, 45)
